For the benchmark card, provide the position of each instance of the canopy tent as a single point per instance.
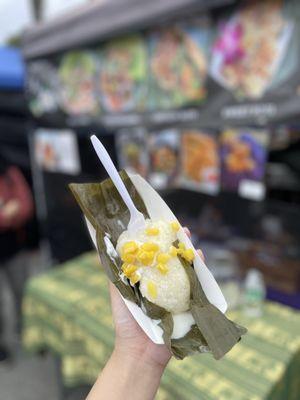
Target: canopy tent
(97, 21)
(12, 69)
(13, 129)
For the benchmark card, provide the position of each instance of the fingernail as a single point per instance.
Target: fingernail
(200, 252)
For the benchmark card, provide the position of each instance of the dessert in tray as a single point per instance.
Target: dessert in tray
(163, 281)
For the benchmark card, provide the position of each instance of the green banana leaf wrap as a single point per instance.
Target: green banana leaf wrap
(104, 208)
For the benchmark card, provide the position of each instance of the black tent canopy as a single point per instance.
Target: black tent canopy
(102, 20)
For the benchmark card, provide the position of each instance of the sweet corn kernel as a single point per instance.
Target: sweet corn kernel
(152, 290)
(127, 257)
(150, 246)
(173, 251)
(134, 278)
(163, 269)
(175, 226)
(129, 269)
(152, 231)
(163, 258)
(181, 248)
(130, 247)
(145, 257)
(188, 255)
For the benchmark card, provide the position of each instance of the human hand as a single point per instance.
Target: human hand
(136, 365)
(131, 340)
(8, 214)
(10, 209)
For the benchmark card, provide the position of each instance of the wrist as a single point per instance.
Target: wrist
(128, 376)
(142, 360)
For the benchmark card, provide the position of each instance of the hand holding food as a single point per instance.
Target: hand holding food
(144, 288)
(162, 279)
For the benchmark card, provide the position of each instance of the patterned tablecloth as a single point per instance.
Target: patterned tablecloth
(67, 311)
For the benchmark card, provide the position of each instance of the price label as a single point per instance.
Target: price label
(252, 190)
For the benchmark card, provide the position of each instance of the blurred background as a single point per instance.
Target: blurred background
(200, 97)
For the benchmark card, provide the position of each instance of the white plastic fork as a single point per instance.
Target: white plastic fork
(137, 220)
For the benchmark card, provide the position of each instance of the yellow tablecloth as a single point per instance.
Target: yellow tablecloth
(67, 311)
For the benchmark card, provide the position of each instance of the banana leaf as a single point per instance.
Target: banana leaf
(108, 214)
(219, 332)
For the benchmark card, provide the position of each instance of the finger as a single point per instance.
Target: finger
(200, 252)
(125, 324)
(120, 312)
(187, 231)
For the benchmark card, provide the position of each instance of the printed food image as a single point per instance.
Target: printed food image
(164, 159)
(163, 149)
(46, 155)
(132, 151)
(245, 58)
(243, 154)
(178, 66)
(56, 150)
(43, 88)
(200, 160)
(240, 158)
(76, 71)
(122, 80)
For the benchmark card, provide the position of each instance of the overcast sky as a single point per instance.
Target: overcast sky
(15, 15)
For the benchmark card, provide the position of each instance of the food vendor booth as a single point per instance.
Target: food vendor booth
(182, 94)
(203, 104)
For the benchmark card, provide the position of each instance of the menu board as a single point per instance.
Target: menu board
(202, 160)
(240, 68)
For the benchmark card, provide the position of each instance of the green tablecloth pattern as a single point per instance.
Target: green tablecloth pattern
(67, 311)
